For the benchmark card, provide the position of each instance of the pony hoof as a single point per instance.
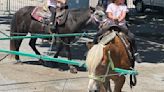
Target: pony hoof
(18, 62)
(73, 70)
(41, 62)
(60, 69)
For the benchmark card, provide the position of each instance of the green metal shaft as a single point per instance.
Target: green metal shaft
(46, 58)
(60, 60)
(47, 36)
(124, 72)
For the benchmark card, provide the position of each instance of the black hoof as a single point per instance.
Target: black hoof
(61, 69)
(41, 62)
(18, 62)
(73, 70)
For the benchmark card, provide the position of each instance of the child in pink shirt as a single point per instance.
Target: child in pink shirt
(116, 13)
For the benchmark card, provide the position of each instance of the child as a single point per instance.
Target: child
(116, 13)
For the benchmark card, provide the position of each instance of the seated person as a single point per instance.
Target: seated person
(116, 13)
(52, 6)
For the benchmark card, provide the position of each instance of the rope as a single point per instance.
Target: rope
(51, 46)
(64, 85)
(4, 57)
(37, 83)
(4, 34)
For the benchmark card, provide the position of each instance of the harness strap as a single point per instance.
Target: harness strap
(111, 64)
(98, 78)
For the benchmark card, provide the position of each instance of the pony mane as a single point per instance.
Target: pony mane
(80, 14)
(94, 57)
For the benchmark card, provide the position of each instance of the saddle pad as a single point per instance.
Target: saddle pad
(107, 38)
(39, 13)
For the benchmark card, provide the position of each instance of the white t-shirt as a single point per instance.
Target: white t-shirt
(116, 11)
(52, 3)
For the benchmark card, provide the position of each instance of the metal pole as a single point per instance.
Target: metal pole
(46, 58)
(8, 7)
(47, 36)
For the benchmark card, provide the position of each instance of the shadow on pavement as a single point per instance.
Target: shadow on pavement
(5, 19)
(77, 52)
(149, 30)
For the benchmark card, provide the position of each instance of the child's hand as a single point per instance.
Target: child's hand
(115, 18)
(116, 21)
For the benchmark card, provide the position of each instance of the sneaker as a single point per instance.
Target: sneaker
(52, 26)
(137, 57)
(51, 23)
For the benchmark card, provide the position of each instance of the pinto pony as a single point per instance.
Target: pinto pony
(101, 60)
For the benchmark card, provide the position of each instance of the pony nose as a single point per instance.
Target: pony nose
(94, 91)
(101, 16)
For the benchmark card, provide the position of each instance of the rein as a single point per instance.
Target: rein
(74, 41)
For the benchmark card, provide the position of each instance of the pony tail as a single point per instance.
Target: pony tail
(13, 23)
(13, 28)
(94, 57)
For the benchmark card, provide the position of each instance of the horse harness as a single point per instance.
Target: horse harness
(42, 15)
(107, 37)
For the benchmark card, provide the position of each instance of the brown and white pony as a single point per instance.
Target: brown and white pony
(102, 58)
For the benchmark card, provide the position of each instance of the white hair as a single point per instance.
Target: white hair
(94, 57)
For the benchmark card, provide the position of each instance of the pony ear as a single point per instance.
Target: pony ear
(92, 9)
(89, 45)
(98, 7)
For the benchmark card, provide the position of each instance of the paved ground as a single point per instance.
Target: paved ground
(31, 77)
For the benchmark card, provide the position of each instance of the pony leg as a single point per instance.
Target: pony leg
(59, 49)
(119, 82)
(15, 45)
(32, 45)
(69, 55)
(107, 86)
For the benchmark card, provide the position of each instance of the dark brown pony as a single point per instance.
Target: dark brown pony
(99, 63)
(22, 24)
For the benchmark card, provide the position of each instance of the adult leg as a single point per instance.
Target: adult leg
(53, 12)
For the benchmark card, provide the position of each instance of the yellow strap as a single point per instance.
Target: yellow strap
(110, 61)
(98, 78)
